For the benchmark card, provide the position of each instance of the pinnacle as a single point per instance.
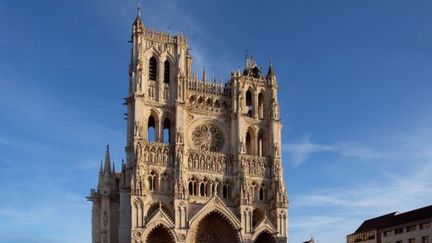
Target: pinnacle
(107, 159)
(270, 70)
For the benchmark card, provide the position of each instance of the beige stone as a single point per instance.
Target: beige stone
(203, 158)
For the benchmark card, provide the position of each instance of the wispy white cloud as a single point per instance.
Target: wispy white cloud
(415, 145)
(376, 194)
(383, 191)
(397, 192)
(298, 153)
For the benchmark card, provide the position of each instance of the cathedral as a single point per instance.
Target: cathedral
(203, 158)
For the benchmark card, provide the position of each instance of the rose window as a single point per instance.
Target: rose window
(208, 137)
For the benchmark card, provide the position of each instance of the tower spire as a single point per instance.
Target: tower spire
(139, 8)
(204, 75)
(138, 22)
(107, 159)
(270, 70)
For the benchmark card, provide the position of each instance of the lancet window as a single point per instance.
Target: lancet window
(166, 72)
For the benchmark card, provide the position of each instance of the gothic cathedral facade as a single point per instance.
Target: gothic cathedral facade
(203, 159)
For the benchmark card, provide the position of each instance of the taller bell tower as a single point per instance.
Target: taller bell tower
(203, 158)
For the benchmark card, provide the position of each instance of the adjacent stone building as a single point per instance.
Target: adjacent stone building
(410, 227)
(203, 158)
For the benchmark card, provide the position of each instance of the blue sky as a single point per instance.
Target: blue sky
(355, 78)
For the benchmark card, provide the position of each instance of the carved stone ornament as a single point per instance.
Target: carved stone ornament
(208, 137)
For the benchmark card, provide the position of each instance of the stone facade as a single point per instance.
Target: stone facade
(203, 159)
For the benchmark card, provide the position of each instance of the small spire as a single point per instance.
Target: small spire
(270, 70)
(204, 75)
(138, 22)
(113, 167)
(107, 159)
(101, 167)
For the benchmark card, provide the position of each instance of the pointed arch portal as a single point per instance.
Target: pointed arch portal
(214, 228)
(265, 237)
(160, 234)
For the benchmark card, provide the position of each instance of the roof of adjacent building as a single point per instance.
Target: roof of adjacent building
(394, 219)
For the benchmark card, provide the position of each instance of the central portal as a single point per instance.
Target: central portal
(215, 229)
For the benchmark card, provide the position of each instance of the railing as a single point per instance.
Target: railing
(163, 36)
(196, 85)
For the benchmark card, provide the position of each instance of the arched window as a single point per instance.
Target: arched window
(152, 68)
(216, 104)
(202, 189)
(249, 103)
(191, 191)
(192, 99)
(250, 142)
(225, 191)
(209, 103)
(261, 193)
(200, 100)
(261, 106)
(152, 181)
(260, 145)
(151, 129)
(166, 131)
(166, 72)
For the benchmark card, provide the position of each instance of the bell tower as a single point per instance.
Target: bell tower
(203, 157)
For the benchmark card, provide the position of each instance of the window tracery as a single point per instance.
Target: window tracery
(208, 137)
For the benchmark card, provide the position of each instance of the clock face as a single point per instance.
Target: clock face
(208, 137)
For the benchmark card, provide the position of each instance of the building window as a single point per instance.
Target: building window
(166, 131)
(412, 240)
(398, 231)
(249, 104)
(425, 225)
(166, 72)
(261, 106)
(152, 181)
(399, 241)
(248, 143)
(260, 145)
(151, 129)
(387, 233)
(411, 228)
(425, 239)
(152, 68)
(202, 190)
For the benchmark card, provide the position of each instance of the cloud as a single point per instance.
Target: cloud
(298, 153)
(403, 186)
(347, 206)
(398, 192)
(415, 145)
